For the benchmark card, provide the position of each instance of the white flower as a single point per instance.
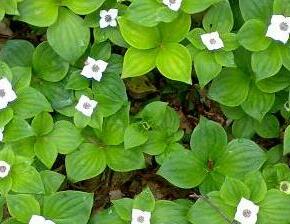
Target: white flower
(1, 134)
(86, 105)
(246, 212)
(37, 219)
(173, 4)
(279, 28)
(108, 18)
(6, 93)
(140, 217)
(285, 187)
(4, 169)
(94, 68)
(212, 41)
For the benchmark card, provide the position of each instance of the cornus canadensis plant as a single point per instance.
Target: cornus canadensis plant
(144, 209)
(100, 98)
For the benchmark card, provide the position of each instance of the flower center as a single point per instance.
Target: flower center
(247, 213)
(108, 18)
(212, 41)
(95, 68)
(140, 219)
(2, 93)
(284, 26)
(3, 169)
(284, 187)
(172, 1)
(87, 106)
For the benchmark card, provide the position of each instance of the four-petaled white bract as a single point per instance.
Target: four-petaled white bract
(7, 94)
(247, 212)
(86, 105)
(37, 219)
(108, 18)
(140, 217)
(285, 187)
(94, 68)
(4, 169)
(212, 41)
(279, 28)
(173, 4)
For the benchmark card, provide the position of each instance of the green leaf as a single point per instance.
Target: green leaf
(274, 207)
(69, 207)
(121, 160)
(156, 143)
(77, 82)
(256, 9)
(5, 71)
(135, 135)
(47, 64)
(194, 6)
(176, 30)
(269, 127)
(169, 212)
(26, 179)
(219, 18)
(233, 113)
(257, 186)
(51, 181)
(258, 103)
(214, 147)
(193, 171)
(281, 7)
(106, 217)
(114, 127)
(139, 36)
(153, 113)
(29, 103)
(42, 123)
(68, 36)
(206, 67)
(144, 201)
(230, 88)
(275, 83)
(38, 13)
(101, 50)
(86, 163)
(21, 77)
(225, 58)
(66, 137)
(82, 7)
(46, 151)
(204, 210)
(58, 96)
(233, 190)
(22, 207)
(17, 53)
(243, 156)
(267, 63)
(252, 35)
(174, 62)
(138, 62)
(110, 93)
(287, 141)
(243, 127)
(17, 129)
(124, 208)
(6, 116)
(149, 13)
(81, 120)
